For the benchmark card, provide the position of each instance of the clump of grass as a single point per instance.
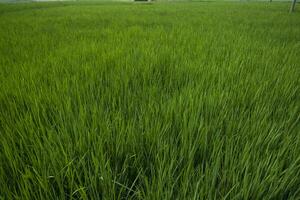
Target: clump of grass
(189, 101)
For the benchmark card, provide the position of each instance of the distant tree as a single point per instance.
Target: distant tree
(293, 6)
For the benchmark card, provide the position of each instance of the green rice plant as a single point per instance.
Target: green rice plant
(196, 100)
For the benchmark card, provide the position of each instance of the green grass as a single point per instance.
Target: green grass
(149, 101)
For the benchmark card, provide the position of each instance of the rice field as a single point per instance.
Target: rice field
(185, 100)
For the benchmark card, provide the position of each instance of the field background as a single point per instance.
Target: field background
(149, 101)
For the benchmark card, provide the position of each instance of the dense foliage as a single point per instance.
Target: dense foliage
(149, 101)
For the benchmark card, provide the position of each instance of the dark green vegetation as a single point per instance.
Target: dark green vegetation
(161, 101)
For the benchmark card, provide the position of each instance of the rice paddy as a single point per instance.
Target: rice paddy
(185, 100)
